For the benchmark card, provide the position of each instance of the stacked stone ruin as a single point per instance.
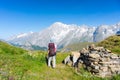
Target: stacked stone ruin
(100, 61)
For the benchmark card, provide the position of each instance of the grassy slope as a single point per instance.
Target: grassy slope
(77, 46)
(6, 48)
(18, 64)
(112, 43)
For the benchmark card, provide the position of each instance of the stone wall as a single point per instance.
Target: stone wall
(100, 61)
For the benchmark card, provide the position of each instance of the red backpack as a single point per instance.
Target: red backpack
(51, 47)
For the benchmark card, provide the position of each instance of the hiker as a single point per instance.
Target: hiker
(52, 54)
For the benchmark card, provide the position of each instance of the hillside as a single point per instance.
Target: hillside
(112, 43)
(77, 46)
(9, 49)
(18, 64)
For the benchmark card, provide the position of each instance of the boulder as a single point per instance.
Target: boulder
(104, 69)
(94, 55)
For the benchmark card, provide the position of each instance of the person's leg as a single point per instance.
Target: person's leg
(54, 61)
(49, 61)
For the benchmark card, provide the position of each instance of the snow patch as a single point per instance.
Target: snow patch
(22, 35)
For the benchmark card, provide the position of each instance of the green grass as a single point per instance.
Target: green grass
(9, 49)
(19, 64)
(112, 43)
(29, 67)
(78, 46)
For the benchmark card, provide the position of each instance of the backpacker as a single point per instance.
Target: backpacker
(51, 48)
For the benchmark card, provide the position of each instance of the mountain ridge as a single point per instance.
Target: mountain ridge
(64, 34)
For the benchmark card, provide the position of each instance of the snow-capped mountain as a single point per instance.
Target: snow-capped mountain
(63, 34)
(105, 31)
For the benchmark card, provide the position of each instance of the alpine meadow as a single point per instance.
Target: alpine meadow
(20, 64)
(59, 39)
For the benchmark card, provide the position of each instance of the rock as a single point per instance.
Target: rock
(96, 63)
(84, 51)
(95, 70)
(96, 67)
(99, 48)
(93, 52)
(104, 74)
(114, 56)
(92, 59)
(114, 69)
(104, 59)
(109, 51)
(89, 68)
(118, 72)
(107, 63)
(107, 55)
(94, 55)
(115, 62)
(111, 66)
(104, 69)
(92, 46)
(87, 63)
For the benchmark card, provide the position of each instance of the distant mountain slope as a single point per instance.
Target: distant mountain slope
(63, 35)
(112, 43)
(105, 31)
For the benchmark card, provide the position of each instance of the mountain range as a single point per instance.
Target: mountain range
(63, 34)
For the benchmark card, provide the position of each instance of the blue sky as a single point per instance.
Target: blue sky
(19, 16)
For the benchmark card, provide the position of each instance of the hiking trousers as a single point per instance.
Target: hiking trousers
(52, 61)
